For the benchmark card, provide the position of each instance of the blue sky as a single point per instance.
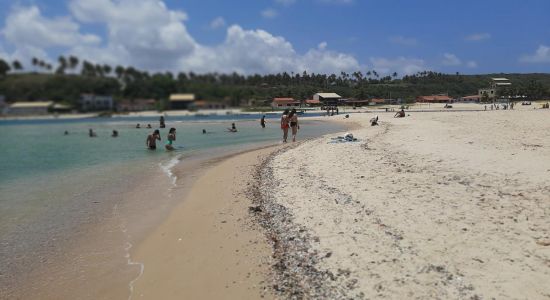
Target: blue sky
(266, 36)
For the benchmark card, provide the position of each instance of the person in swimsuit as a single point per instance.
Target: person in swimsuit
(233, 128)
(91, 133)
(284, 124)
(262, 121)
(115, 133)
(161, 121)
(151, 141)
(171, 138)
(293, 117)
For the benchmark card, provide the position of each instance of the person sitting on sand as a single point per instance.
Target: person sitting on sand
(233, 128)
(284, 124)
(374, 121)
(171, 137)
(91, 133)
(115, 133)
(400, 114)
(151, 140)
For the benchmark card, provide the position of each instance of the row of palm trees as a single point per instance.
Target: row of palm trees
(72, 63)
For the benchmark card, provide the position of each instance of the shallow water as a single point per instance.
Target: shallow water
(54, 187)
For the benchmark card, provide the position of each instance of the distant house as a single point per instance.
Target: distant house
(201, 104)
(328, 99)
(473, 98)
(495, 85)
(434, 99)
(91, 102)
(285, 102)
(30, 108)
(136, 105)
(182, 101)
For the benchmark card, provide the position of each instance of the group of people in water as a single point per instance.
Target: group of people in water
(151, 141)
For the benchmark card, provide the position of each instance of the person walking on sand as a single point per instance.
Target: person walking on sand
(293, 118)
(262, 121)
(171, 138)
(151, 141)
(284, 124)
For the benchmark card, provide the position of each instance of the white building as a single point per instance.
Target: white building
(330, 99)
(90, 102)
(30, 108)
(496, 84)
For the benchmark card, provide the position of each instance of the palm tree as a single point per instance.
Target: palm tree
(4, 68)
(62, 65)
(73, 62)
(17, 65)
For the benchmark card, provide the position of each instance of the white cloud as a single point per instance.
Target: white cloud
(286, 2)
(269, 13)
(25, 26)
(541, 55)
(478, 37)
(147, 35)
(450, 60)
(471, 64)
(401, 40)
(401, 65)
(218, 22)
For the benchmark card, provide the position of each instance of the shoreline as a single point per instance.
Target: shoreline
(208, 246)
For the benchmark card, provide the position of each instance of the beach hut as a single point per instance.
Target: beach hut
(182, 101)
(30, 108)
(328, 99)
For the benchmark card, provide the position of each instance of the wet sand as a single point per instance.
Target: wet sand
(209, 248)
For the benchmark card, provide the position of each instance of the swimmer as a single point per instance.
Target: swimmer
(114, 134)
(233, 128)
(151, 141)
(91, 133)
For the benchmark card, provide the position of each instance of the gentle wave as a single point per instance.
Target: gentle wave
(168, 166)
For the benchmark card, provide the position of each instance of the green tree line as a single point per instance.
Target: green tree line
(71, 77)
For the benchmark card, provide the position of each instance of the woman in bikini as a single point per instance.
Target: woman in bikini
(171, 138)
(293, 117)
(284, 124)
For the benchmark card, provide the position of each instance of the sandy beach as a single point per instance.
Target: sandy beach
(434, 205)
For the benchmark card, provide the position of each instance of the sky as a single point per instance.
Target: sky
(270, 36)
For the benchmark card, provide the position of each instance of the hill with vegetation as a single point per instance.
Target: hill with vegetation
(65, 83)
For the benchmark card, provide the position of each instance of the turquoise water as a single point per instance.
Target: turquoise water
(52, 184)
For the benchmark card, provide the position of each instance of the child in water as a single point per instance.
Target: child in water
(171, 137)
